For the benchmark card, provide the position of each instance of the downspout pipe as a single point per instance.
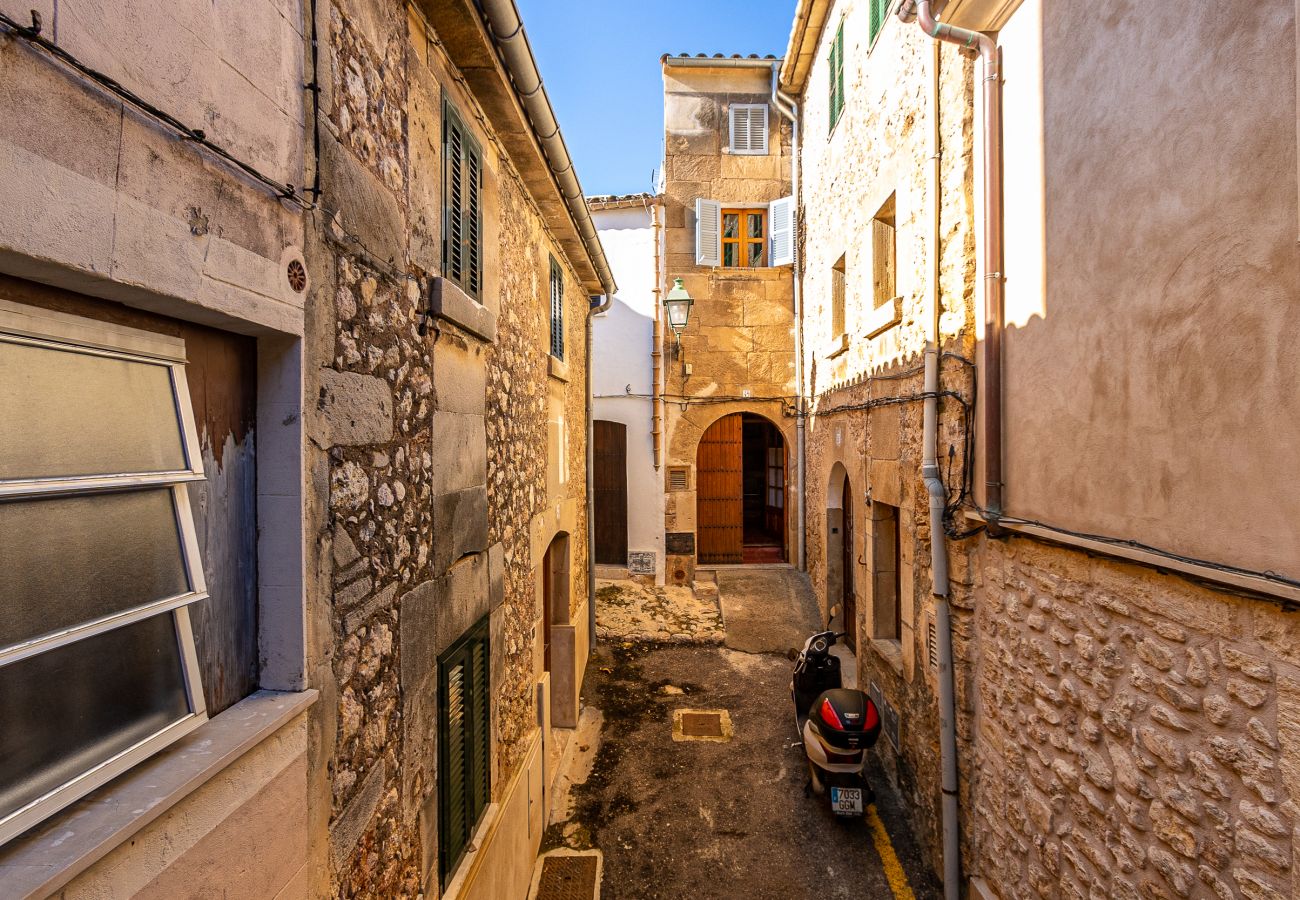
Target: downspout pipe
(992, 137)
(991, 360)
(787, 107)
(593, 309)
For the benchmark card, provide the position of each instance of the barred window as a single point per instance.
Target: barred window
(557, 310)
(462, 238)
(464, 722)
(98, 669)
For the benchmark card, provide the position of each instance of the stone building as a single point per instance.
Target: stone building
(1123, 560)
(886, 269)
(308, 366)
(729, 380)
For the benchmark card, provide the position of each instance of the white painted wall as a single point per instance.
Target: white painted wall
(622, 371)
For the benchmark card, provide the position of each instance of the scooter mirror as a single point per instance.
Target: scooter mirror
(831, 614)
(792, 654)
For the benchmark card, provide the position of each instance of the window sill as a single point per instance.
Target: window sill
(451, 304)
(557, 369)
(47, 858)
(837, 346)
(884, 317)
(891, 651)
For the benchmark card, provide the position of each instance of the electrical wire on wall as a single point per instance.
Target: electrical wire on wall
(32, 35)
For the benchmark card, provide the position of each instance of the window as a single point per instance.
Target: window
(884, 286)
(744, 237)
(462, 176)
(464, 719)
(878, 13)
(557, 310)
(748, 130)
(838, 326)
(98, 669)
(885, 568)
(678, 478)
(739, 237)
(837, 75)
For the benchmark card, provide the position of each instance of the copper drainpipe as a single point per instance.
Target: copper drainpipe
(991, 360)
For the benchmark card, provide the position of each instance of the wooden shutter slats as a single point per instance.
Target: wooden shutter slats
(464, 735)
(462, 241)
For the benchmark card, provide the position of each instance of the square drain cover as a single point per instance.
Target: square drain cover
(701, 725)
(567, 878)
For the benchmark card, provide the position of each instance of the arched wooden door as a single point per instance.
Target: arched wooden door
(719, 468)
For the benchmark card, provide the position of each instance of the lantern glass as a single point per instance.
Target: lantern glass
(678, 305)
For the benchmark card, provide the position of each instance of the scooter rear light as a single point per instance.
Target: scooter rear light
(872, 717)
(830, 716)
(842, 759)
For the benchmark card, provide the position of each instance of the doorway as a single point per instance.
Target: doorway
(741, 491)
(609, 484)
(841, 553)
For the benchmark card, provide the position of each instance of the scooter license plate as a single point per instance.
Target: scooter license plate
(846, 801)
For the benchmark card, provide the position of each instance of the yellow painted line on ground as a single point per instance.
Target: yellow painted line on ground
(894, 873)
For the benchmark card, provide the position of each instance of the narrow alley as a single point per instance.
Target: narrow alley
(721, 819)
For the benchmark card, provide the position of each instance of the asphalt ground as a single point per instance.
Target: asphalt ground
(722, 820)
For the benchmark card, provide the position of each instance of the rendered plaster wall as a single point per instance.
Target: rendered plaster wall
(441, 445)
(1152, 337)
(739, 342)
(622, 371)
(866, 415)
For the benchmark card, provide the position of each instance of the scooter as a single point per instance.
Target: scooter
(837, 725)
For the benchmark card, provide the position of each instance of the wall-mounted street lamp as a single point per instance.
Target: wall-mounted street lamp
(678, 305)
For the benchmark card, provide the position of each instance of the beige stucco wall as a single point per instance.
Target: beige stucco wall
(1151, 370)
(739, 342)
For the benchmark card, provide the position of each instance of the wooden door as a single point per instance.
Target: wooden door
(850, 599)
(548, 600)
(774, 504)
(720, 510)
(610, 486)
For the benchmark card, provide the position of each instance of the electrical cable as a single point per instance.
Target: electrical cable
(32, 34)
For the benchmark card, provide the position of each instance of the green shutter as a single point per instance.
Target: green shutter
(464, 744)
(462, 238)
(879, 11)
(837, 76)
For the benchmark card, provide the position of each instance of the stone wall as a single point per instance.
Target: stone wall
(865, 384)
(739, 342)
(1137, 735)
(430, 453)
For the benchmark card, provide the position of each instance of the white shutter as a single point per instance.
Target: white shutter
(748, 128)
(708, 232)
(780, 217)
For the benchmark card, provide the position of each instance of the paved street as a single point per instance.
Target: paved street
(722, 820)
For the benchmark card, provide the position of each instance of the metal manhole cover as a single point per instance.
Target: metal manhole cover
(701, 724)
(567, 878)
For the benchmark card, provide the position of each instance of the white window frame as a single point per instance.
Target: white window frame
(748, 149)
(60, 332)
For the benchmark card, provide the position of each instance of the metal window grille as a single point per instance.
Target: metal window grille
(678, 478)
(98, 669)
(463, 744)
(557, 310)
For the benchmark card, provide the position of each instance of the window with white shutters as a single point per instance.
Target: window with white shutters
(781, 225)
(462, 238)
(708, 232)
(464, 722)
(748, 123)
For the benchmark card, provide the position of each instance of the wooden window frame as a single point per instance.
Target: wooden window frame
(839, 298)
(462, 192)
(742, 241)
(472, 652)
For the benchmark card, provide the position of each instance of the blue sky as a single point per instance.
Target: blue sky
(600, 63)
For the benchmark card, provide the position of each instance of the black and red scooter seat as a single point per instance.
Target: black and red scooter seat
(845, 719)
